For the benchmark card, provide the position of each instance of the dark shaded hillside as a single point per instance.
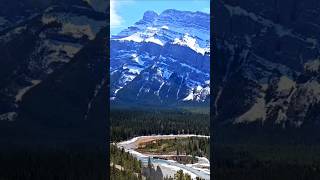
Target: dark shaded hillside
(266, 75)
(38, 38)
(253, 152)
(57, 134)
(62, 99)
(38, 162)
(266, 64)
(53, 76)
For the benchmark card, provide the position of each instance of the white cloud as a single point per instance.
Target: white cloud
(115, 18)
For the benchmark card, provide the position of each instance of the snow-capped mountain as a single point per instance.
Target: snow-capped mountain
(162, 59)
(266, 66)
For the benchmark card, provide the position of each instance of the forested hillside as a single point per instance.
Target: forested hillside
(123, 165)
(127, 123)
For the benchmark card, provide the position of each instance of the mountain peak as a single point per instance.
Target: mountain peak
(150, 16)
(158, 70)
(169, 11)
(175, 11)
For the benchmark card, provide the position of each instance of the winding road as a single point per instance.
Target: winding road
(168, 167)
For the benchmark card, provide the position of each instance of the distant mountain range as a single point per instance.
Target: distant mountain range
(163, 59)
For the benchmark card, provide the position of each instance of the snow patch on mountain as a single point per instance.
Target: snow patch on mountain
(189, 97)
(280, 30)
(154, 40)
(134, 37)
(198, 93)
(133, 69)
(74, 25)
(190, 42)
(142, 37)
(137, 59)
(165, 27)
(256, 112)
(194, 69)
(56, 51)
(22, 91)
(95, 94)
(312, 66)
(313, 89)
(48, 19)
(285, 84)
(77, 31)
(9, 116)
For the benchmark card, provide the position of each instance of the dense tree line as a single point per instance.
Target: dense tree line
(276, 162)
(39, 163)
(253, 152)
(117, 174)
(181, 176)
(126, 123)
(264, 170)
(124, 160)
(195, 146)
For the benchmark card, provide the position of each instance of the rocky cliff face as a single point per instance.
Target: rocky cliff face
(162, 59)
(267, 63)
(37, 39)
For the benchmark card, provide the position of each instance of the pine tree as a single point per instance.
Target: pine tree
(179, 175)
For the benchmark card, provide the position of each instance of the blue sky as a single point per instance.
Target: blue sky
(124, 13)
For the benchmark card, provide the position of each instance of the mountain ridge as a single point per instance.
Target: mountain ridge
(160, 51)
(271, 61)
(38, 40)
